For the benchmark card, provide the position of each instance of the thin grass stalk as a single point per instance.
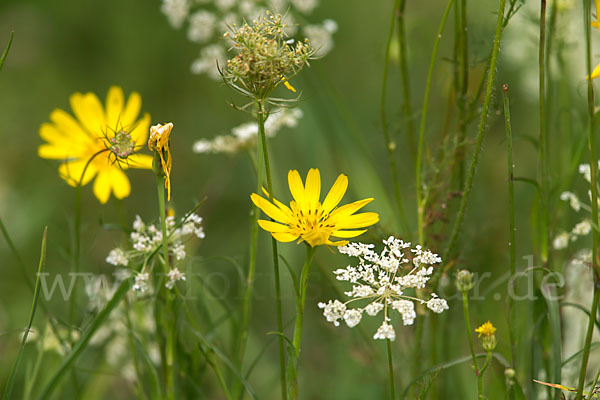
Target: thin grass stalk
(543, 151)
(407, 105)
(462, 85)
(170, 350)
(391, 369)
(512, 224)
(389, 143)
(247, 301)
(480, 134)
(263, 139)
(5, 53)
(36, 296)
(587, 19)
(486, 363)
(420, 200)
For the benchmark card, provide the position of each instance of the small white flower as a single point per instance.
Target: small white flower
(141, 282)
(385, 331)
(179, 251)
(585, 170)
(305, 6)
(407, 309)
(117, 257)
(352, 317)
(138, 224)
(333, 311)
(561, 241)
(583, 228)
(176, 11)
(373, 309)
(174, 275)
(202, 25)
(436, 304)
(572, 199)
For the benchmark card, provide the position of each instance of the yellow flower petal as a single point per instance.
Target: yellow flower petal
(348, 234)
(273, 227)
(132, 110)
(114, 108)
(296, 188)
(285, 209)
(336, 193)
(139, 132)
(349, 209)
(69, 126)
(358, 221)
(596, 72)
(284, 237)
(72, 172)
(142, 161)
(88, 110)
(119, 183)
(268, 208)
(63, 145)
(312, 190)
(102, 186)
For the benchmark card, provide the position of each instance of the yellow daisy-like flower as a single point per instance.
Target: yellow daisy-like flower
(309, 219)
(486, 329)
(159, 142)
(100, 142)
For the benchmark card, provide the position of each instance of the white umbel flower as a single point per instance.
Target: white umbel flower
(382, 280)
(141, 282)
(117, 257)
(174, 276)
(561, 241)
(572, 199)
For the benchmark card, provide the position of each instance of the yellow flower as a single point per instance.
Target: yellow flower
(159, 142)
(486, 329)
(595, 23)
(288, 85)
(104, 139)
(308, 219)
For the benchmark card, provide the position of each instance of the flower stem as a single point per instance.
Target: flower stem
(420, 200)
(391, 369)
(389, 143)
(301, 298)
(545, 222)
(480, 134)
(512, 229)
(461, 84)
(263, 139)
(170, 371)
(465, 300)
(488, 358)
(594, 171)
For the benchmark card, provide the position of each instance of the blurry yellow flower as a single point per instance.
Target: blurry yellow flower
(486, 329)
(104, 139)
(308, 219)
(595, 23)
(159, 142)
(288, 85)
(595, 72)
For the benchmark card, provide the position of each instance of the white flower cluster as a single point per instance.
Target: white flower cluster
(244, 136)
(207, 20)
(585, 226)
(381, 279)
(146, 239)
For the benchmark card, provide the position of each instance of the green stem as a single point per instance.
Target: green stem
(301, 298)
(407, 106)
(170, 351)
(545, 228)
(389, 143)
(594, 171)
(420, 200)
(488, 358)
(462, 84)
(480, 134)
(465, 300)
(263, 139)
(512, 225)
(5, 53)
(391, 369)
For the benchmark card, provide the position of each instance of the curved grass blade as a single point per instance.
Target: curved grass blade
(36, 296)
(12, 34)
(85, 338)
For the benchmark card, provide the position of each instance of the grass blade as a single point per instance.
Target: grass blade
(36, 295)
(12, 34)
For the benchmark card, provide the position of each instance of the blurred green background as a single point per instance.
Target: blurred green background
(61, 47)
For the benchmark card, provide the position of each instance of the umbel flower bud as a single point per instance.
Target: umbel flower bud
(464, 280)
(121, 144)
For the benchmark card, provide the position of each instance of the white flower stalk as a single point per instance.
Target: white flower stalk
(382, 282)
(146, 239)
(245, 136)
